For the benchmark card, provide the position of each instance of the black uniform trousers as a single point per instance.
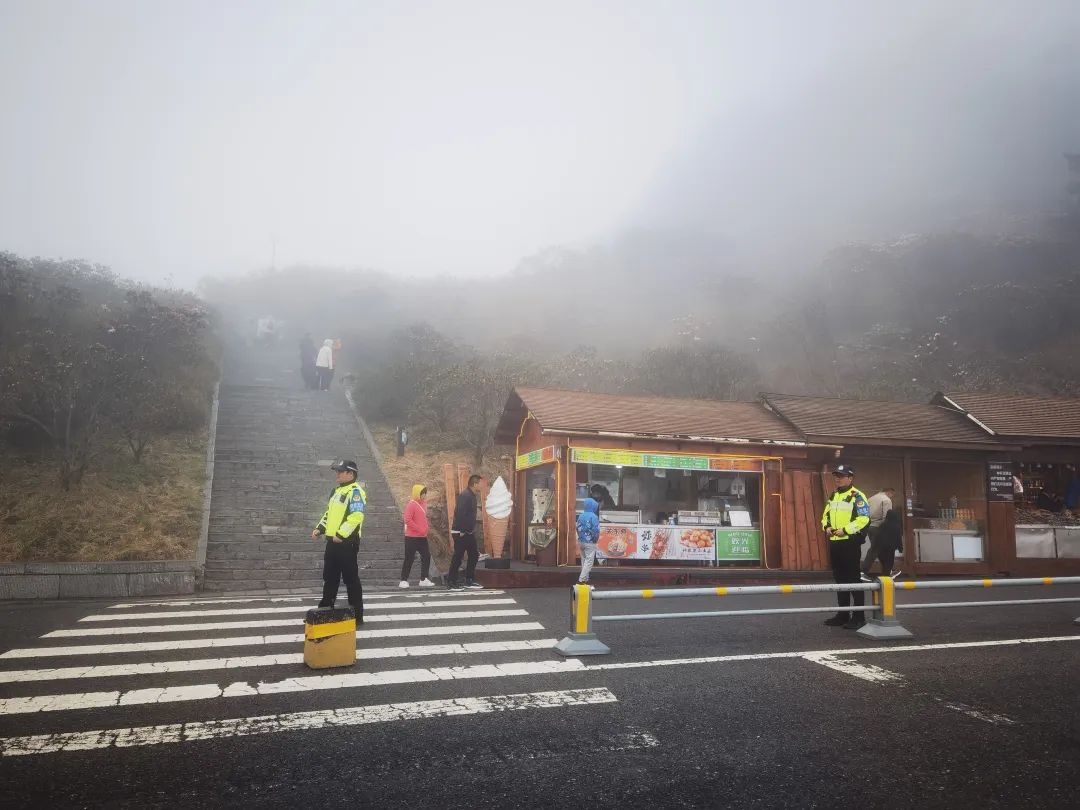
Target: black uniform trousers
(339, 563)
(844, 555)
(464, 544)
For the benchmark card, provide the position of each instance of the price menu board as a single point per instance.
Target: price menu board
(1000, 481)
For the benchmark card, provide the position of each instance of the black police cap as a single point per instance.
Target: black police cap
(843, 469)
(345, 466)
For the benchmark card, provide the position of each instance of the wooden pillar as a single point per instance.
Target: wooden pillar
(770, 516)
(1001, 536)
(908, 496)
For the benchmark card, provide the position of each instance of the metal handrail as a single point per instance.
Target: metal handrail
(883, 625)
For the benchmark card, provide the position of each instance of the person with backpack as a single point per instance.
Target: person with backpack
(588, 533)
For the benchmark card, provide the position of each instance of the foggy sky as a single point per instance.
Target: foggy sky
(174, 140)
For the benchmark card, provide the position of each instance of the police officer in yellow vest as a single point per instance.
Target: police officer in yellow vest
(846, 516)
(341, 524)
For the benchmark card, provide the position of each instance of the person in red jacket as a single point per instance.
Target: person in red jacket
(416, 529)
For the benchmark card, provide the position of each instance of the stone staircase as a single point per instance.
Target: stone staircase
(275, 441)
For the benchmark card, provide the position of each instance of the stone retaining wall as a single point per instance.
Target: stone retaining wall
(35, 580)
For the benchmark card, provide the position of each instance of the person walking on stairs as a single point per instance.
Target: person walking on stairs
(844, 521)
(342, 523)
(464, 533)
(416, 529)
(307, 362)
(324, 364)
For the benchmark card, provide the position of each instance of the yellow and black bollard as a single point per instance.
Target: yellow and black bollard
(581, 640)
(329, 637)
(883, 624)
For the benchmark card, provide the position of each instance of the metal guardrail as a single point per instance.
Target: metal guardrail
(882, 625)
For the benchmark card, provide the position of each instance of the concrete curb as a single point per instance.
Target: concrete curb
(36, 580)
(208, 486)
(372, 446)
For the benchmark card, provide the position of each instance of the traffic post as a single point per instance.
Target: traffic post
(581, 640)
(883, 624)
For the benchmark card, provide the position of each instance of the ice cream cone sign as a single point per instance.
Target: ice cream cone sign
(498, 506)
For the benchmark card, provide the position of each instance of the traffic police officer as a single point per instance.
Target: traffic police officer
(341, 524)
(846, 516)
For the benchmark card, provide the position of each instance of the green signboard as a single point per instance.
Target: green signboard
(738, 544)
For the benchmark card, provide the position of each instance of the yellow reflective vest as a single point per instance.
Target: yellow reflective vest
(345, 513)
(847, 511)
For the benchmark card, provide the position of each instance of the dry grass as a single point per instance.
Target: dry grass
(152, 511)
(423, 464)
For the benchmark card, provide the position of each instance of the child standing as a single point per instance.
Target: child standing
(588, 532)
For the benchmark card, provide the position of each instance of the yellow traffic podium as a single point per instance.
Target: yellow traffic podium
(329, 637)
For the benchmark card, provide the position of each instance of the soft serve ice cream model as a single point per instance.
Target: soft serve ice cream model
(498, 506)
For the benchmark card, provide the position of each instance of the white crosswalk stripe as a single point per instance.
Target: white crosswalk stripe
(136, 630)
(486, 638)
(270, 724)
(252, 641)
(368, 597)
(189, 614)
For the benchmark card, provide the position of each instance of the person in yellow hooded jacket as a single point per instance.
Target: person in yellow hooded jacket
(341, 523)
(416, 530)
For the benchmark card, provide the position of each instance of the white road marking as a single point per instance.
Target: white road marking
(283, 621)
(309, 683)
(977, 714)
(719, 659)
(316, 720)
(254, 641)
(192, 614)
(240, 662)
(425, 593)
(867, 672)
(189, 602)
(628, 741)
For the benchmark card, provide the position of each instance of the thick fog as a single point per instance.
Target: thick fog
(177, 140)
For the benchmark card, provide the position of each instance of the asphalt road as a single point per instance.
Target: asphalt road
(464, 705)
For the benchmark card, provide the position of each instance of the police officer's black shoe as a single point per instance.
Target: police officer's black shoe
(855, 622)
(839, 620)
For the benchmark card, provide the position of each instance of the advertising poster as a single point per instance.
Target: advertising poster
(738, 544)
(617, 542)
(675, 543)
(690, 543)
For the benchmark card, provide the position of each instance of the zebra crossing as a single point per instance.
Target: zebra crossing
(155, 672)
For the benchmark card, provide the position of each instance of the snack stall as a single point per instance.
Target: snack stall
(681, 483)
(665, 507)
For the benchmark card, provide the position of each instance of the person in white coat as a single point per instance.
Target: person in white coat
(324, 364)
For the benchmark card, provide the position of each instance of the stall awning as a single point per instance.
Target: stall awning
(1020, 416)
(696, 420)
(874, 422)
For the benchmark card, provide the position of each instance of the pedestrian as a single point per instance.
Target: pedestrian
(464, 533)
(416, 530)
(588, 532)
(341, 523)
(844, 522)
(324, 364)
(880, 504)
(307, 362)
(890, 540)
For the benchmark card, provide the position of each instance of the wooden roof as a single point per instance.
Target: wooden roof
(579, 412)
(860, 421)
(1021, 415)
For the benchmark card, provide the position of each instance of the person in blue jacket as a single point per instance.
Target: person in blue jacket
(588, 533)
